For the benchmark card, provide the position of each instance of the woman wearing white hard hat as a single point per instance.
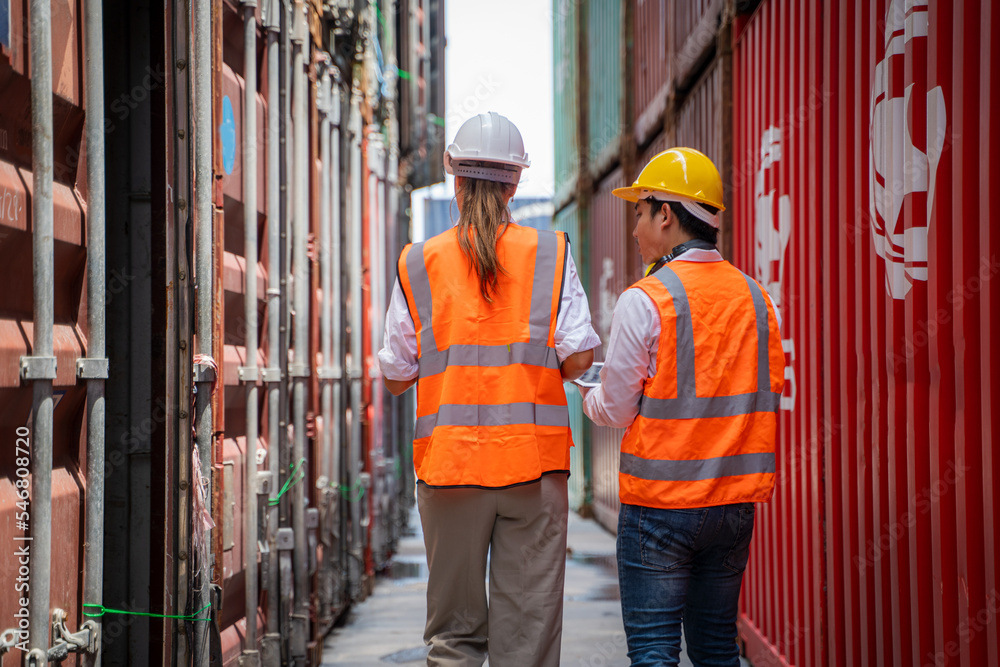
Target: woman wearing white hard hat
(488, 319)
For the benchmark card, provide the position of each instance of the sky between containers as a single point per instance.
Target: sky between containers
(498, 57)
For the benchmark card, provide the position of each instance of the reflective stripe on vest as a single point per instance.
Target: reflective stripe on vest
(688, 405)
(493, 415)
(421, 286)
(696, 469)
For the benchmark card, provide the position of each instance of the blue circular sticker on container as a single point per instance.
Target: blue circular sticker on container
(227, 134)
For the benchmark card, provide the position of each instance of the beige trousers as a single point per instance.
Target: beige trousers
(523, 529)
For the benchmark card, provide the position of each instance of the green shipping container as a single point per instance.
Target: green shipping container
(568, 220)
(565, 103)
(578, 454)
(604, 80)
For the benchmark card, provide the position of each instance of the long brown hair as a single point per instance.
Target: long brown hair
(483, 219)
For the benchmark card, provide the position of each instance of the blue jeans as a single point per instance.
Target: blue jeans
(682, 566)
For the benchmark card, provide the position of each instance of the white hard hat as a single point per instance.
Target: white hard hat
(487, 146)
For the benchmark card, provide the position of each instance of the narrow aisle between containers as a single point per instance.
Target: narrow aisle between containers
(387, 628)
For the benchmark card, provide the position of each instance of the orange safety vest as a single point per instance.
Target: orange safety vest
(491, 408)
(706, 426)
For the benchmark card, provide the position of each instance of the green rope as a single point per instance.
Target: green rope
(344, 490)
(181, 617)
(403, 74)
(290, 482)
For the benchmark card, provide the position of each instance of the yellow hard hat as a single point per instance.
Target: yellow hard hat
(681, 172)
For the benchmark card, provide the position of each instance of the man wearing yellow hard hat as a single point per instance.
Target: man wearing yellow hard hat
(695, 370)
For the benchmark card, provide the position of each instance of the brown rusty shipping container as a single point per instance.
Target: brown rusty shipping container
(222, 488)
(23, 526)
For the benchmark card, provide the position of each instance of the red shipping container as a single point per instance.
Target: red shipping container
(774, 145)
(862, 144)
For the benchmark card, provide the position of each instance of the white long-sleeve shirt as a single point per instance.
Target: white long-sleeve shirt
(574, 332)
(631, 355)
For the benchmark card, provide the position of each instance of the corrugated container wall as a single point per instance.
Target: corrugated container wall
(610, 275)
(699, 122)
(420, 33)
(774, 181)
(862, 180)
(654, 66)
(694, 24)
(566, 96)
(236, 452)
(660, 143)
(18, 523)
(604, 79)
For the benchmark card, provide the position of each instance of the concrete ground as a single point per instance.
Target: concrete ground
(387, 628)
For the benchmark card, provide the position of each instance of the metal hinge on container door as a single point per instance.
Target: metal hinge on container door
(329, 372)
(265, 483)
(312, 525)
(92, 369)
(286, 545)
(38, 368)
(64, 642)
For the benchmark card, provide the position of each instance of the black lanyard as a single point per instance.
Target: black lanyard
(679, 250)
